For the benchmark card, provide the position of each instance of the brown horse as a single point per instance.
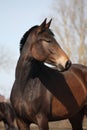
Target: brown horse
(41, 94)
(7, 115)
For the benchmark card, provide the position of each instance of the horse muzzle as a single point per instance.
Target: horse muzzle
(59, 67)
(65, 67)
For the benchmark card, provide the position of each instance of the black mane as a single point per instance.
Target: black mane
(23, 39)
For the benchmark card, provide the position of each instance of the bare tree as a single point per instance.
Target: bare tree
(71, 27)
(7, 58)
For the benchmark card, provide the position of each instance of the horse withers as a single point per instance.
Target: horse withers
(41, 94)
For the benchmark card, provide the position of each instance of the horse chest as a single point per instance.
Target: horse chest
(35, 97)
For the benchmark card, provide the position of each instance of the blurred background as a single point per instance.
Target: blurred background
(16, 17)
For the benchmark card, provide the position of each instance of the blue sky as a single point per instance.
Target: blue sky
(16, 17)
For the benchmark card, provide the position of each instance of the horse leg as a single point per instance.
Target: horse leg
(42, 122)
(22, 125)
(6, 126)
(77, 120)
(9, 125)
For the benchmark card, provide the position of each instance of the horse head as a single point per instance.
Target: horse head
(41, 45)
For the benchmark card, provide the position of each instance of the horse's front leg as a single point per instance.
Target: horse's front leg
(42, 121)
(6, 126)
(22, 125)
(77, 120)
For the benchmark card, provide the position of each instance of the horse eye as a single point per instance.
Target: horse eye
(48, 40)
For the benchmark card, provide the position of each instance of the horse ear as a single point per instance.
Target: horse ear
(48, 24)
(43, 23)
(42, 26)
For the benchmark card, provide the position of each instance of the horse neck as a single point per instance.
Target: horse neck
(27, 67)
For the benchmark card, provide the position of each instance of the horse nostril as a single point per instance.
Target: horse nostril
(68, 64)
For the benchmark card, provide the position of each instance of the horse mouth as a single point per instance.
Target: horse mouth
(60, 68)
(50, 65)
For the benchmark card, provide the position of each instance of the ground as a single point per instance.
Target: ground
(58, 125)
